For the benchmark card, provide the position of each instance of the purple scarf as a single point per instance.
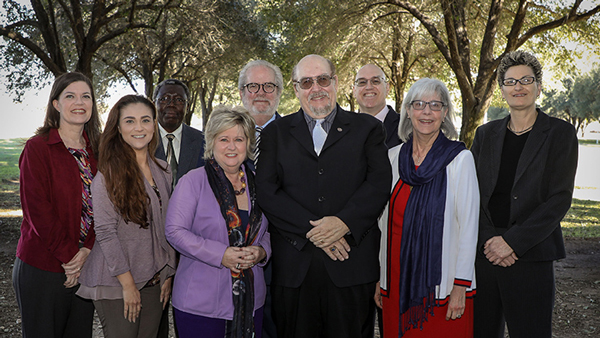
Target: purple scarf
(423, 226)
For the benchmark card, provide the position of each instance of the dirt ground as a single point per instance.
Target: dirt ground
(576, 313)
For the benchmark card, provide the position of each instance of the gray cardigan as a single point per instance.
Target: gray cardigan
(122, 247)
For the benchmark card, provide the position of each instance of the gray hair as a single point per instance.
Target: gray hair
(243, 78)
(419, 89)
(519, 58)
(224, 117)
(171, 82)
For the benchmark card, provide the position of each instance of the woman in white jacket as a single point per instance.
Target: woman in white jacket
(429, 228)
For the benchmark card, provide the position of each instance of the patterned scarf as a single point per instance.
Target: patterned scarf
(242, 325)
(85, 171)
(421, 250)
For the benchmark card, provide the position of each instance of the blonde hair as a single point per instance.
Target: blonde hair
(224, 117)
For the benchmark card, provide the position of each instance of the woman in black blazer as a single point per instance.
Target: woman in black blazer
(526, 167)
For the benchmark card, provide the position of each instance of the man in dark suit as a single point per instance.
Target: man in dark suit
(179, 144)
(323, 179)
(370, 90)
(261, 85)
(171, 99)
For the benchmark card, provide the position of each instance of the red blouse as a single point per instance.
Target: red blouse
(51, 198)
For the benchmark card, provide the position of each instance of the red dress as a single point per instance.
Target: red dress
(436, 325)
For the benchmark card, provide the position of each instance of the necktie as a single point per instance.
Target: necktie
(171, 158)
(319, 135)
(257, 150)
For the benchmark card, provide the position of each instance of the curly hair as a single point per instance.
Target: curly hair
(519, 58)
(117, 162)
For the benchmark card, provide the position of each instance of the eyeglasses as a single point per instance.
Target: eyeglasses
(307, 82)
(166, 100)
(267, 87)
(433, 105)
(375, 81)
(525, 80)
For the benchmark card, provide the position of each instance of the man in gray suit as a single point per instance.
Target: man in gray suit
(179, 144)
(186, 143)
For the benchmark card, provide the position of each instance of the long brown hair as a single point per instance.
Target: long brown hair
(52, 120)
(117, 162)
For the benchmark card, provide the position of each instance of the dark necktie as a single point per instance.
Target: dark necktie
(257, 150)
(171, 158)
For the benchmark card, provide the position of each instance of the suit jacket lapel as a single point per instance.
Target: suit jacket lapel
(535, 140)
(160, 149)
(186, 151)
(299, 130)
(495, 142)
(339, 128)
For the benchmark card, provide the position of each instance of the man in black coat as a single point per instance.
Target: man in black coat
(370, 90)
(324, 178)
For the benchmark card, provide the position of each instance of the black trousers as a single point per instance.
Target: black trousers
(49, 309)
(319, 309)
(522, 296)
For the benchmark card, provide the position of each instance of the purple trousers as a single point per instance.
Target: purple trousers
(190, 325)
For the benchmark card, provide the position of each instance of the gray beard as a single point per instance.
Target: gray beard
(321, 111)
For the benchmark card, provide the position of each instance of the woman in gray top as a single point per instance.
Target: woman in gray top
(129, 272)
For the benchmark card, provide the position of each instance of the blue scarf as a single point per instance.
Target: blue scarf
(423, 226)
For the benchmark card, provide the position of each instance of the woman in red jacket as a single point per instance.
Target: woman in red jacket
(56, 168)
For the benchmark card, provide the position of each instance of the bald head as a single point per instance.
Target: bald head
(371, 89)
(318, 100)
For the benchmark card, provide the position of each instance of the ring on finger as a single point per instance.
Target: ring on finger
(333, 249)
(237, 266)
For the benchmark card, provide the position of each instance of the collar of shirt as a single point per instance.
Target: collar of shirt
(326, 124)
(382, 114)
(176, 141)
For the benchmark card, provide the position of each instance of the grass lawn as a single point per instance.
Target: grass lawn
(582, 220)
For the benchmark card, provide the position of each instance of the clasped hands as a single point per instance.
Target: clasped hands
(73, 267)
(238, 259)
(498, 252)
(328, 234)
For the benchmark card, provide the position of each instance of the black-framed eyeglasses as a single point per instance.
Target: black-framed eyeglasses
(525, 80)
(307, 82)
(166, 100)
(375, 81)
(433, 105)
(267, 87)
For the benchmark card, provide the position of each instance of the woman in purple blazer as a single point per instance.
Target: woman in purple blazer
(214, 222)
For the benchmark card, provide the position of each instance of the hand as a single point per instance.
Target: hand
(132, 302)
(165, 291)
(508, 261)
(233, 258)
(72, 280)
(377, 296)
(456, 305)
(326, 231)
(338, 250)
(252, 256)
(496, 250)
(76, 263)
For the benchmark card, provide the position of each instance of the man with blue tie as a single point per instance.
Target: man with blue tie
(261, 85)
(323, 179)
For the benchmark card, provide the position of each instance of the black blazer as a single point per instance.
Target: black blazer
(391, 122)
(351, 179)
(191, 152)
(543, 187)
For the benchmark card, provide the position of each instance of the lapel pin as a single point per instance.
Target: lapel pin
(339, 129)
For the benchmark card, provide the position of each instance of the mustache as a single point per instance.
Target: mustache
(319, 93)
